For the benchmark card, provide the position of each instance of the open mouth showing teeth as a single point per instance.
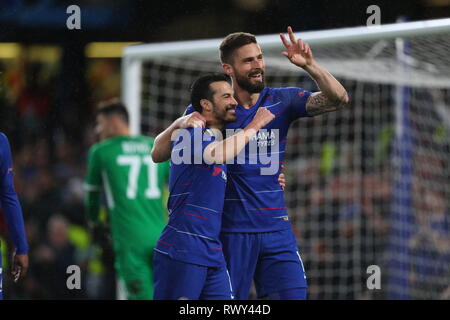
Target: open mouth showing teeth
(231, 110)
(257, 74)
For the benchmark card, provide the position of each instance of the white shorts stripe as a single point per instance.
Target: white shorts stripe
(189, 233)
(301, 262)
(231, 287)
(179, 194)
(161, 251)
(193, 205)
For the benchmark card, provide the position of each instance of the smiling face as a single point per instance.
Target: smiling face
(223, 102)
(247, 68)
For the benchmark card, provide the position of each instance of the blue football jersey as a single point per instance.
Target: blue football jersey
(9, 200)
(195, 204)
(254, 200)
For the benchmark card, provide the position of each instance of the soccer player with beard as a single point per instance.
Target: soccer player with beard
(189, 263)
(257, 239)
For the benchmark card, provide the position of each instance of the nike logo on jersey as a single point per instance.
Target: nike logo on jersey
(218, 171)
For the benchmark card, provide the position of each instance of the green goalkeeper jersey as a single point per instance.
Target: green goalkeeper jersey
(133, 185)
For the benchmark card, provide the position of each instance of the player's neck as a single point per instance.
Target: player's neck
(213, 123)
(123, 131)
(245, 98)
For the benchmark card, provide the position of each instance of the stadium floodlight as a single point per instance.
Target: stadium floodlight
(360, 191)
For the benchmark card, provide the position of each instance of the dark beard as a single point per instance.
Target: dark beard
(222, 115)
(245, 84)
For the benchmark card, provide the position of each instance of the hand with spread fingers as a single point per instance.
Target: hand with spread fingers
(298, 52)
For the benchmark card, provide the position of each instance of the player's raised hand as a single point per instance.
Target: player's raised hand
(297, 51)
(193, 120)
(262, 117)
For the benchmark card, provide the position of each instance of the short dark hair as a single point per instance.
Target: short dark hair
(232, 42)
(201, 89)
(113, 107)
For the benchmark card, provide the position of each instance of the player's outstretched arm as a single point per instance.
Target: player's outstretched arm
(162, 146)
(229, 148)
(332, 95)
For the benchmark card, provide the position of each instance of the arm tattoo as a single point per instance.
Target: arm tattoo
(319, 103)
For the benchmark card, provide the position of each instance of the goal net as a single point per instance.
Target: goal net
(367, 187)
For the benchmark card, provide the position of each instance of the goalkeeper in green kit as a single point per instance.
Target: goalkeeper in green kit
(121, 166)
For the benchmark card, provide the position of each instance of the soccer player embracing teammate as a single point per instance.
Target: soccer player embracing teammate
(189, 262)
(258, 243)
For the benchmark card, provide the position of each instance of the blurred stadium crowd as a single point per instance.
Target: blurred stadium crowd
(49, 164)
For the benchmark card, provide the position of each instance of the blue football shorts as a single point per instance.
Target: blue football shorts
(177, 280)
(271, 259)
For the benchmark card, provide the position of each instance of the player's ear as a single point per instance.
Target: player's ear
(206, 105)
(112, 126)
(227, 69)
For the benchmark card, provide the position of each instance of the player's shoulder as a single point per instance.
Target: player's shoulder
(284, 91)
(275, 94)
(3, 138)
(114, 142)
(146, 139)
(189, 109)
(273, 91)
(98, 146)
(3, 143)
(103, 145)
(287, 94)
